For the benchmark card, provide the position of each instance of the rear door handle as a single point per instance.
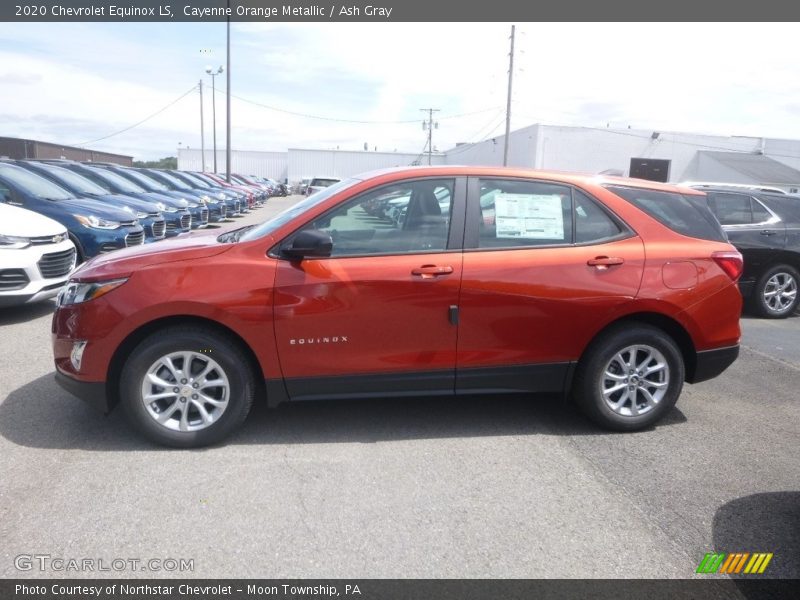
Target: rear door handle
(768, 232)
(431, 271)
(603, 262)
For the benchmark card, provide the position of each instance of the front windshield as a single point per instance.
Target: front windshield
(174, 181)
(75, 181)
(146, 182)
(36, 185)
(196, 181)
(290, 213)
(204, 177)
(117, 180)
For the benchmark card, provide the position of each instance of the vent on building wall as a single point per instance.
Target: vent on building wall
(652, 169)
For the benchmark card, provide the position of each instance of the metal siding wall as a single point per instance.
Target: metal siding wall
(246, 162)
(593, 150)
(344, 163)
(521, 150)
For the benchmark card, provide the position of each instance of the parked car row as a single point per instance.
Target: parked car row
(100, 208)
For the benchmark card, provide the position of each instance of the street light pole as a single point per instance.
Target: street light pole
(213, 74)
(202, 132)
(228, 108)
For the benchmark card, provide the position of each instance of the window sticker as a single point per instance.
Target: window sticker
(529, 216)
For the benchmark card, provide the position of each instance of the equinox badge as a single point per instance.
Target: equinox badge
(337, 339)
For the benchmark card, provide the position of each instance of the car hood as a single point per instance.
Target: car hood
(87, 206)
(121, 263)
(139, 204)
(192, 201)
(26, 223)
(168, 200)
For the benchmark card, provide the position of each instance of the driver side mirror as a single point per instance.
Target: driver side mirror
(309, 242)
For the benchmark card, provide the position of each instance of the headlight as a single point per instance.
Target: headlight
(221, 196)
(205, 198)
(141, 215)
(14, 242)
(75, 292)
(97, 222)
(164, 208)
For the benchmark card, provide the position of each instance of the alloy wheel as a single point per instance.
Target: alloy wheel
(635, 380)
(185, 391)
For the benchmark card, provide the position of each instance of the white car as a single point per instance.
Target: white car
(320, 183)
(36, 256)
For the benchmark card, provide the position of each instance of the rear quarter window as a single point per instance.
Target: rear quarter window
(688, 215)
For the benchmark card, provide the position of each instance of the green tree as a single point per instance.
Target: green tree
(168, 162)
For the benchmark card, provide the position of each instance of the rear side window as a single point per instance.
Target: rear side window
(688, 215)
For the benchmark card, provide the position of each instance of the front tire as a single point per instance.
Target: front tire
(775, 295)
(629, 378)
(186, 387)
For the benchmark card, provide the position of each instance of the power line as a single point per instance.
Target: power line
(465, 147)
(339, 120)
(158, 112)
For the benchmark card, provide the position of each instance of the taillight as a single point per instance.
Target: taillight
(730, 262)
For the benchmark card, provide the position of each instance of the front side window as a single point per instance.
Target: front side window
(403, 218)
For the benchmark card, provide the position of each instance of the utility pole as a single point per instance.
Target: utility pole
(228, 111)
(430, 125)
(508, 103)
(202, 133)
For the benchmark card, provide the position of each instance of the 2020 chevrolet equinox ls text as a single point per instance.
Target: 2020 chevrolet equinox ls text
(612, 290)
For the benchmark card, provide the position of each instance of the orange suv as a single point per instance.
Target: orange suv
(613, 291)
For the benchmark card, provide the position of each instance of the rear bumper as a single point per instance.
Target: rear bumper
(91, 392)
(710, 363)
(746, 287)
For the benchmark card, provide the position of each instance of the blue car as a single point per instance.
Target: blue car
(234, 200)
(217, 209)
(196, 206)
(176, 212)
(94, 227)
(148, 213)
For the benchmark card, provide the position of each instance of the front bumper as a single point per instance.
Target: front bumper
(35, 273)
(91, 392)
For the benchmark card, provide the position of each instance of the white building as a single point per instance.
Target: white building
(665, 156)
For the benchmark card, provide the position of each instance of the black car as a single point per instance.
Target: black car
(765, 228)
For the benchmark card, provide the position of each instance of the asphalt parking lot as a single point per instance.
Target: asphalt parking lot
(480, 487)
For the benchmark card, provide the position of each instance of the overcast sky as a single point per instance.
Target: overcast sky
(74, 83)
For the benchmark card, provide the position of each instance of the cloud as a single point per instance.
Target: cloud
(662, 76)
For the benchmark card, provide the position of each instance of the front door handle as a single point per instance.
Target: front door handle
(431, 271)
(603, 262)
(768, 232)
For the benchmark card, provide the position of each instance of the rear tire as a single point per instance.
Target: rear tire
(186, 387)
(776, 293)
(629, 377)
